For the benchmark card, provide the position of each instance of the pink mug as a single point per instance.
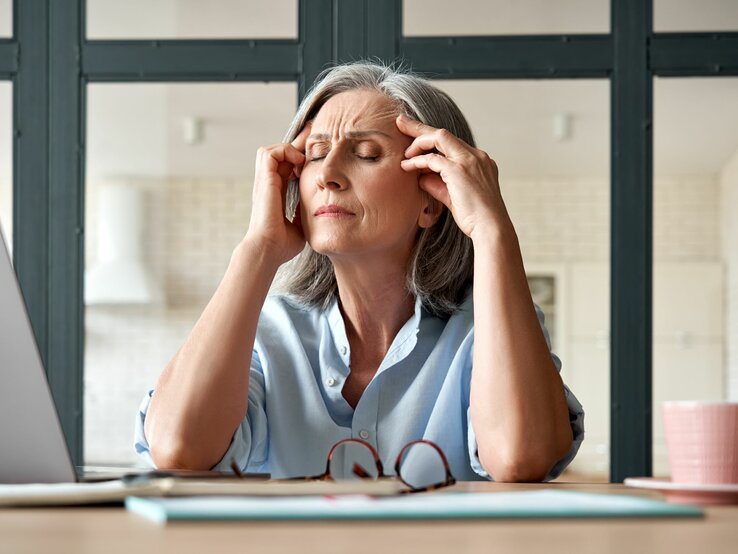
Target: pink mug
(702, 441)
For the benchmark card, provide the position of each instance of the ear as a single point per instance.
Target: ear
(431, 211)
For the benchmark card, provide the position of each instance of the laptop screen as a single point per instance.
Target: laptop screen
(32, 445)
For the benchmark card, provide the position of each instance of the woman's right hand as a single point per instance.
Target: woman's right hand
(201, 395)
(269, 228)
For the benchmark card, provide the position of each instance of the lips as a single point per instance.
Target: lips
(333, 210)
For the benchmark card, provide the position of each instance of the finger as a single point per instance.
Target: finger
(429, 138)
(412, 127)
(434, 185)
(302, 136)
(285, 153)
(422, 144)
(285, 170)
(299, 143)
(441, 140)
(435, 162)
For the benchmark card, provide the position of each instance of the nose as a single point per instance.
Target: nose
(331, 174)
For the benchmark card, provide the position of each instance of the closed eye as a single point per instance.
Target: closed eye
(367, 158)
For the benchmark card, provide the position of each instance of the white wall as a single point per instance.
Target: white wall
(729, 193)
(508, 17)
(135, 130)
(127, 130)
(132, 19)
(6, 160)
(687, 15)
(6, 18)
(191, 19)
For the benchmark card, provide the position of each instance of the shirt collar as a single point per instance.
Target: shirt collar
(402, 345)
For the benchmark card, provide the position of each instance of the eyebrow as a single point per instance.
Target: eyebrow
(350, 134)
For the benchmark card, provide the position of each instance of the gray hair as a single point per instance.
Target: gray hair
(442, 263)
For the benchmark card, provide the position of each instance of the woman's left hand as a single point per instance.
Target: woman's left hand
(460, 176)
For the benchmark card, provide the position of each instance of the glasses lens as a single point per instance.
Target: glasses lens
(421, 466)
(353, 460)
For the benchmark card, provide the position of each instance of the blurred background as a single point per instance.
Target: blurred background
(169, 171)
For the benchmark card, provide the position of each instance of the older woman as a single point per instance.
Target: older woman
(404, 315)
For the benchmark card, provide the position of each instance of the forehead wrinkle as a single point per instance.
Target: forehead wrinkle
(390, 112)
(349, 134)
(362, 134)
(357, 114)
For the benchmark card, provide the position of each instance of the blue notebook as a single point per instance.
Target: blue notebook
(532, 504)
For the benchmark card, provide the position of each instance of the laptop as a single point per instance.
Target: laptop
(32, 445)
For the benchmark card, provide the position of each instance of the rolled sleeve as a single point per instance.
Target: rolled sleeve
(250, 442)
(471, 439)
(140, 443)
(576, 419)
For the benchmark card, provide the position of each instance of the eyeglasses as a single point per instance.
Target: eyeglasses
(421, 464)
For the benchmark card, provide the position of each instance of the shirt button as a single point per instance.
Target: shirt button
(364, 434)
(344, 350)
(330, 381)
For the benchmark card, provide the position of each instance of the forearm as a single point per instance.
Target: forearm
(201, 396)
(518, 406)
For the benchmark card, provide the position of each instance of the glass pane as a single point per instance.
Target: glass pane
(503, 17)
(6, 18)
(695, 15)
(172, 19)
(551, 142)
(695, 287)
(168, 197)
(6, 162)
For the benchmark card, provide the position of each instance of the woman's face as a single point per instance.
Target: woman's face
(355, 199)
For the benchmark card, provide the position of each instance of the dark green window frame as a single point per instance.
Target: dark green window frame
(50, 62)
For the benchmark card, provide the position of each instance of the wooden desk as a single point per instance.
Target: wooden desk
(112, 530)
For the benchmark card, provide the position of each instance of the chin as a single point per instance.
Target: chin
(328, 249)
(330, 246)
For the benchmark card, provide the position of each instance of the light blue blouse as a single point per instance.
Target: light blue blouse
(296, 411)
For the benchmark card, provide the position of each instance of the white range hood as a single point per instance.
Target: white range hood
(120, 275)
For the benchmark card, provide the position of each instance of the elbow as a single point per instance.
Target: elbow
(171, 455)
(513, 470)
(177, 446)
(168, 450)
(176, 454)
(522, 466)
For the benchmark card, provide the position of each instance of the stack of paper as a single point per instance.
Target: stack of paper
(116, 491)
(447, 505)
